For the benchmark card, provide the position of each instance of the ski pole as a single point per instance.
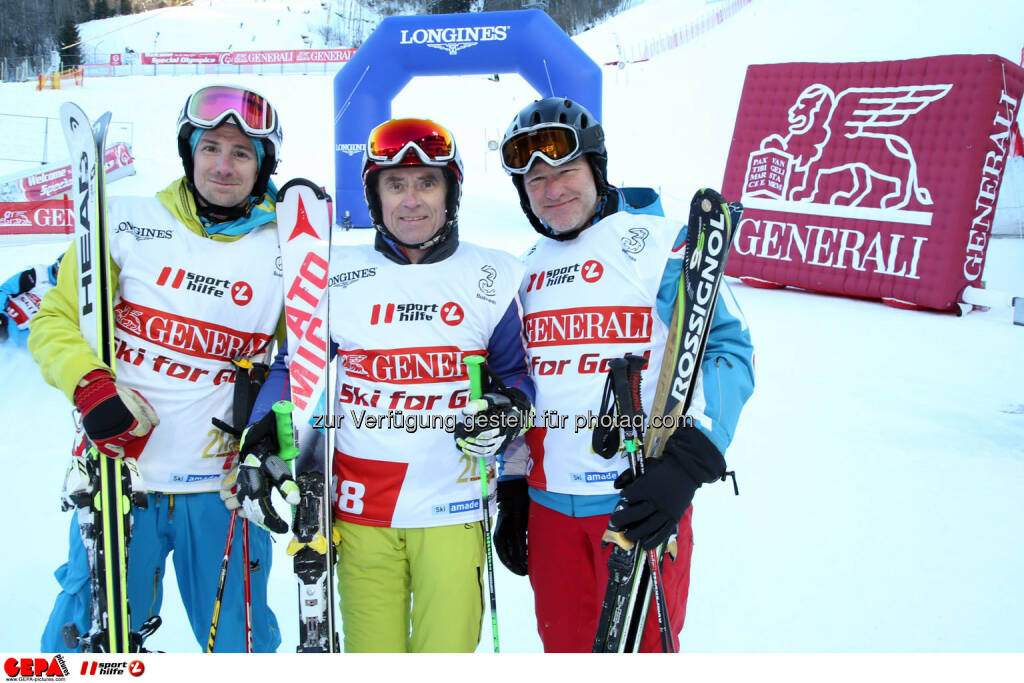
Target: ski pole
(221, 580)
(473, 368)
(247, 585)
(625, 385)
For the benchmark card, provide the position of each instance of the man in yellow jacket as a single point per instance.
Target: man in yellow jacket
(197, 285)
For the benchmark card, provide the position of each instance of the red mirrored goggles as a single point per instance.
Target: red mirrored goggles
(555, 143)
(392, 140)
(208, 107)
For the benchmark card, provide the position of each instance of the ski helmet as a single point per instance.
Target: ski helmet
(412, 142)
(556, 130)
(211, 106)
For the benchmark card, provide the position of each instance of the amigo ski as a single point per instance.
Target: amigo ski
(104, 494)
(304, 227)
(632, 582)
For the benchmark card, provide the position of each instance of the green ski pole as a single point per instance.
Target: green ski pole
(474, 369)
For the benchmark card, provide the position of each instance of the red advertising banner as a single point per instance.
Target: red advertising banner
(53, 180)
(871, 179)
(25, 219)
(260, 57)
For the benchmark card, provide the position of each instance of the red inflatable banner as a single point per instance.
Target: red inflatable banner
(26, 219)
(871, 179)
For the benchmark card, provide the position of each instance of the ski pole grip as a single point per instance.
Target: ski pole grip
(474, 368)
(618, 538)
(285, 431)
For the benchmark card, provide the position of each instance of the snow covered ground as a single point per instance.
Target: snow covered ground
(241, 25)
(881, 459)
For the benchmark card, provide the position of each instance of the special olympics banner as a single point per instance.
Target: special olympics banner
(871, 179)
(256, 57)
(26, 219)
(54, 180)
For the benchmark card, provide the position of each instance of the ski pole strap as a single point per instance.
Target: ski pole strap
(242, 399)
(625, 385)
(285, 432)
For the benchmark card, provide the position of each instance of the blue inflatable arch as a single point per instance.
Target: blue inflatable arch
(527, 42)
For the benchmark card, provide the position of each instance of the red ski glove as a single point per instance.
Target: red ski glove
(113, 415)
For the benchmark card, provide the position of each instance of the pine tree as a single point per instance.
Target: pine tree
(125, 7)
(101, 9)
(83, 11)
(68, 35)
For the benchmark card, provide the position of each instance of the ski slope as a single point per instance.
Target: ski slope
(241, 25)
(881, 459)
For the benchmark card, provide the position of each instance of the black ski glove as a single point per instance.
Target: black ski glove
(510, 529)
(652, 506)
(3, 328)
(260, 471)
(493, 421)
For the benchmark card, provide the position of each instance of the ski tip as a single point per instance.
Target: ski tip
(302, 182)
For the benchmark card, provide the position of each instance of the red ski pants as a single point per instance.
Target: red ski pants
(568, 570)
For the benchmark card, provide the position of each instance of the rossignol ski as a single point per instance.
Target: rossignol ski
(103, 492)
(631, 584)
(304, 228)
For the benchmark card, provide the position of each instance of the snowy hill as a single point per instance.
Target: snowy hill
(880, 460)
(224, 25)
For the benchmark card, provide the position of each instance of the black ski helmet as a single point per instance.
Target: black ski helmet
(271, 141)
(409, 153)
(591, 145)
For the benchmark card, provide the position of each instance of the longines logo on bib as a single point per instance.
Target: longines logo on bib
(453, 39)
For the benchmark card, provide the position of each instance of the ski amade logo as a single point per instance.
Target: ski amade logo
(454, 39)
(593, 477)
(36, 668)
(589, 271)
(456, 507)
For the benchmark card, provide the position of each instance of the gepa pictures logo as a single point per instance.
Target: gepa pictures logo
(453, 39)
(36, 668)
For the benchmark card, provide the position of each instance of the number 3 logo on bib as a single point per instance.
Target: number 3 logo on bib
(451, 313)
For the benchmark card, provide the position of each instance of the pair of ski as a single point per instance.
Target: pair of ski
(304, 234)
(105, 503)
(634, 576)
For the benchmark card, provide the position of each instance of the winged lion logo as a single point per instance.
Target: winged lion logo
(849, 149)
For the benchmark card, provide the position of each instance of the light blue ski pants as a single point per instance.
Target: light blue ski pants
(194, 527)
